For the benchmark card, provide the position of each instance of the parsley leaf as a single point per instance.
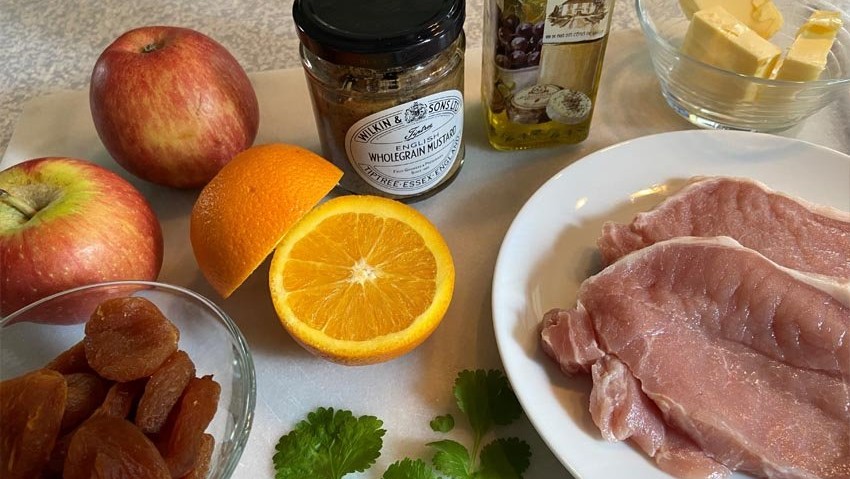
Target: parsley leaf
(409, 469)
(486, 398)
(443, 423)
(505, 458)
(452, 459)
(328, 445)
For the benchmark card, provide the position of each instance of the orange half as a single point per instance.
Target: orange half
(361, 279)
(244, 211)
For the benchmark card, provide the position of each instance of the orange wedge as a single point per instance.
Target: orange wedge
(361, 279)
(241, 215)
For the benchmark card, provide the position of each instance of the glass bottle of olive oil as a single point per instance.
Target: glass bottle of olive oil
(542, 61)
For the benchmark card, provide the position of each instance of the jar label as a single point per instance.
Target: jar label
(409, 148)
(572, 21)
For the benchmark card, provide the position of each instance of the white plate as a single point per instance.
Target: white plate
(550, 249)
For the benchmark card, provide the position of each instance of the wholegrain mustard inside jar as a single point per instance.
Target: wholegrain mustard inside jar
(386, 81)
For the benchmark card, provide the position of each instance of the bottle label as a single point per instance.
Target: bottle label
(409, 148)
(571, 21)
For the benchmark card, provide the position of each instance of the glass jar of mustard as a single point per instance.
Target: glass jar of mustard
(386, 81)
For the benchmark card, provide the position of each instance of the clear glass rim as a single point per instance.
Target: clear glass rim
(653, 36)
(242, 426)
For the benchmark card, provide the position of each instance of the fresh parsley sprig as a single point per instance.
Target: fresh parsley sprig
(328, 445)
(487, 400)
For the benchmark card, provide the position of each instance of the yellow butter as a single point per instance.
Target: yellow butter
(761, 15)
(716, 37)
(806, 59)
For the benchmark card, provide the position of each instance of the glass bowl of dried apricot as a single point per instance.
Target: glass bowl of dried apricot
(123, 379)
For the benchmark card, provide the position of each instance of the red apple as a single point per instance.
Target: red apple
(66, 222)
(171, 105)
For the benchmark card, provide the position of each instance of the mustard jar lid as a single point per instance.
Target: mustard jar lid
(378, 34)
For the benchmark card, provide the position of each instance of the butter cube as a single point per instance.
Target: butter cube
(716, 37)
(806, 58)
(763, 16)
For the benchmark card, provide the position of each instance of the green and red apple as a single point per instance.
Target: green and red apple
(68, 222)
(172, 105)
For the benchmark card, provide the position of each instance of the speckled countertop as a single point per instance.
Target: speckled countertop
(51, 45)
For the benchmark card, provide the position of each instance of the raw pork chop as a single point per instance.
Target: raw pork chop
(790, 231)
(745, 358)
(622, 411)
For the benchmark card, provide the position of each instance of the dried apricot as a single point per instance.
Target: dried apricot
(182, 440)
(202, 463)
(71, 361)
(119, 402)
(106, 446)
(31, 408)
(85, 393)
(120, 399)
(163, 390)
(128, 338)
(57, 456)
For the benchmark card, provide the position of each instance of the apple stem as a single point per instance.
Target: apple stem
(150, 47)
(17, 203)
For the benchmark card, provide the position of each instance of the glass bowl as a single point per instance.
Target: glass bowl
(713, 98)
(35, 334)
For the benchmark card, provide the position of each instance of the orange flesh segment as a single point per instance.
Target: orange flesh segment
(360, 265)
